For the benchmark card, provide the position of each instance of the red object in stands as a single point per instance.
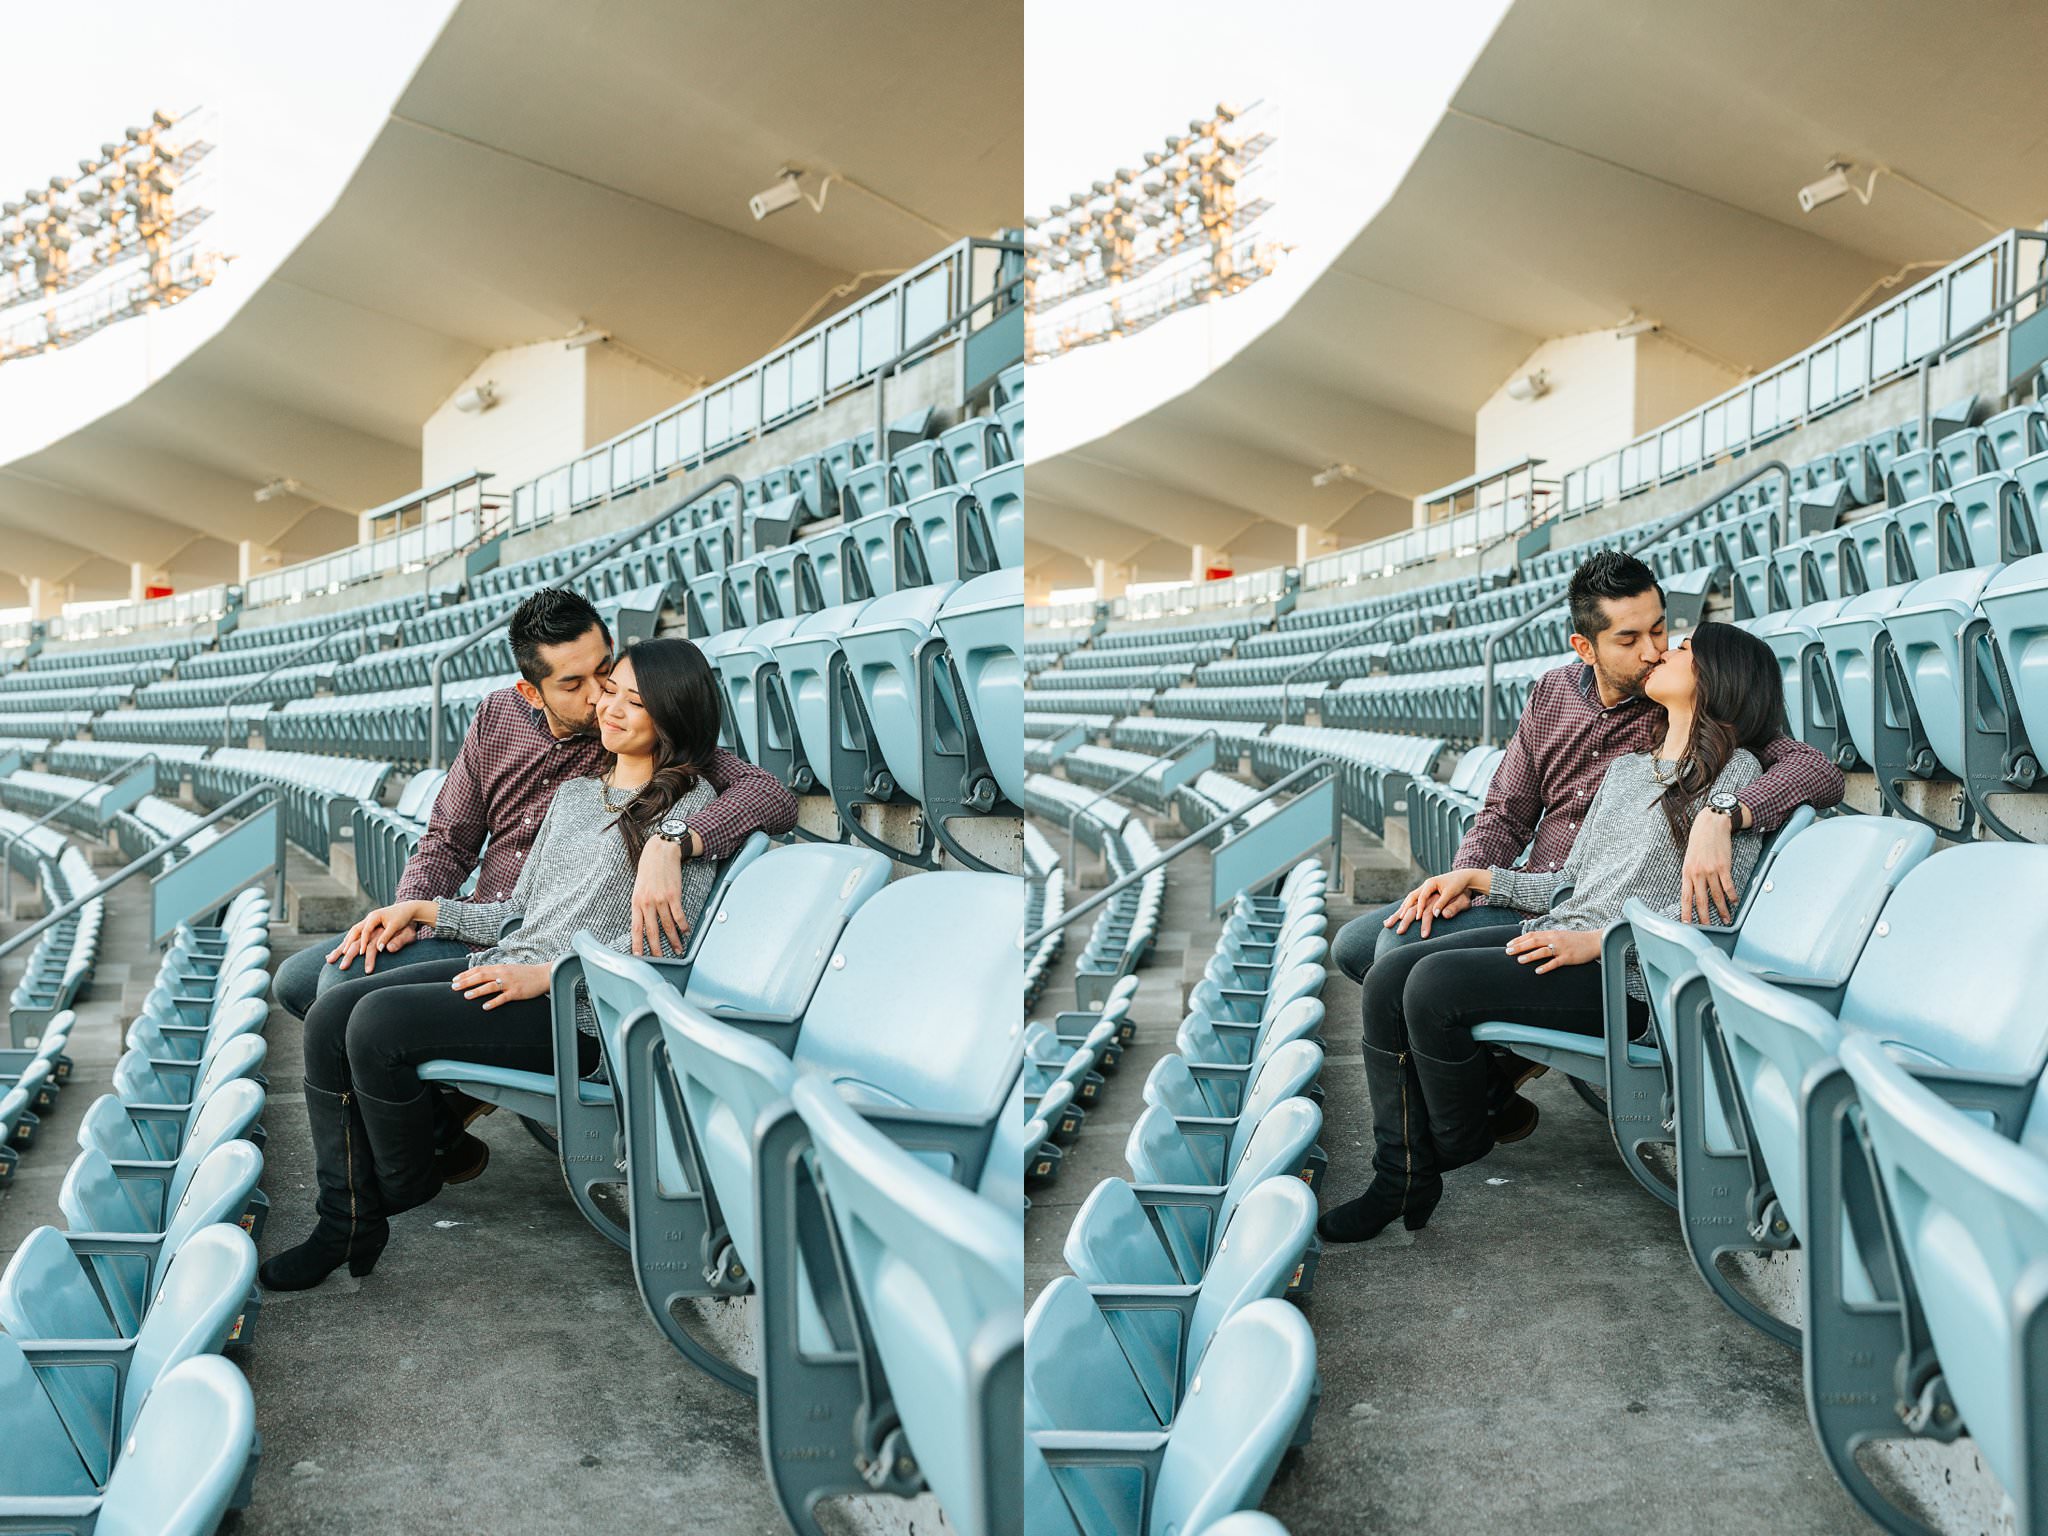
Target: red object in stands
(1218, 573)
(149, 592)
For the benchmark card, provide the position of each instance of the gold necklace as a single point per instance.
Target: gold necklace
(604, 793)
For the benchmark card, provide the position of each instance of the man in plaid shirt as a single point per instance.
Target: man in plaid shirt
(525, 741)
(1580, 718)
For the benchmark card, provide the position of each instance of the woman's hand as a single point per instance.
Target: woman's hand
(387, 929)
(1553, 947)
(497, 984)
(1440, 898)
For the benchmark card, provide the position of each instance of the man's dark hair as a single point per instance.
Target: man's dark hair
(552, 616)
(1607, 574)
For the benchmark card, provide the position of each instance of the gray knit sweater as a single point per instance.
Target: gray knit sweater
(576, 877)
(1624, 850)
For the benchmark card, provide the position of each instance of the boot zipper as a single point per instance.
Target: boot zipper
(1407, 1146)
(348, 1153)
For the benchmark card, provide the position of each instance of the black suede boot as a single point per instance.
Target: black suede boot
(350, 1228)
(1405, 1180)
(402, 1146)
(1462, 1099)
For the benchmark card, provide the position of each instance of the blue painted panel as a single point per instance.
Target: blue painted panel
(208, 877)
(1305, 824)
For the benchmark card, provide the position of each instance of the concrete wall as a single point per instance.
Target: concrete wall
(537, 423)
(620, 391)
(1590, 406)
(1670, 380)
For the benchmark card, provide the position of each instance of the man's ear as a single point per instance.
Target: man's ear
(1581, 648)
(530, 693)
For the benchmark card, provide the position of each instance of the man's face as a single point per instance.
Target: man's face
(1630, 647)
(568, 695)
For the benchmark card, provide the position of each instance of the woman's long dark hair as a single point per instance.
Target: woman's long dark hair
(680, 693)
(1739, 701)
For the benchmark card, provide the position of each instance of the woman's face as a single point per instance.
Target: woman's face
(1671, 681)
(623, 724)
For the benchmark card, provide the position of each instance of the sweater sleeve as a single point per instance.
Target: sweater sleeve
(479, 922)
(1747, 848)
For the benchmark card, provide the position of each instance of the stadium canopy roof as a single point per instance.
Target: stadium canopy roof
(1588, 163)
(543, 165)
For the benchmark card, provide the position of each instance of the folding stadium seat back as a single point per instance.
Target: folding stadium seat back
(2017, 435)
(974, 447)
(805, 656)
(1241, 1412)
(1967, 1209)
(1965, 453)
(882, 664)
(1996, 522)
(870, 489)
(1011, 416)
(2015, 603)
(815, 479)
(982, 624)
(1849, 645)
(776, 521)
(1943, 658)
(937, 1270)
(923, 468)
(1915, 475)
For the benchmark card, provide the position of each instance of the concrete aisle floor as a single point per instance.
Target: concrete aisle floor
(1541, 1357)
(496, 1373)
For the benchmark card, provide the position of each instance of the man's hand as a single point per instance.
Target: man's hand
(1708, 881)
(1554, 947)
(497, 984)
(658, 899)
(1440, 898)
(387, 929)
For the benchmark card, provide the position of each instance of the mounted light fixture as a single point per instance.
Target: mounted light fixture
(584, 336)
(1530, 386)
(1634, 325)
(783, 194)
(284, 486)
(478, 399)
(1818, 194)
(1338, 473)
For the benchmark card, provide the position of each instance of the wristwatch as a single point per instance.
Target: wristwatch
(1725, 803)
(680, 835)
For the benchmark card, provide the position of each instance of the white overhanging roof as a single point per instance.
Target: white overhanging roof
(1579, 170)
(533, 166)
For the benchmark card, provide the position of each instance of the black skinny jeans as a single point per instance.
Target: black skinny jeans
(1433, 1086)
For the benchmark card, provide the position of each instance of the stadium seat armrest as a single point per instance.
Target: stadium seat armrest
(158, 1114)
(1103, 1448)
(145, 1245)
(2005, 1099)
(965, 1138)
(1178, 1299)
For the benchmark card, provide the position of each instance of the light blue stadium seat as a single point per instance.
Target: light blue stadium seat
(982, 624)
(1121, 1358)
(1218, 1029)
(1861, 1359)
(760, 961)
(1237, 1421)
(1964, 453)
(127, 1265)
(2017, 435)
(805, 656)
(97, 1385)
(1803, 924)
(2015, 603)
(974, 447)
(188, 1453)
(1914, 475)
(1968, 1214)
(1849, 641)
(1001, 495)
(1993, 521)
(952, 535)
(1143, 1234)
(143, 1129)
(869, 489)
(1958, 713)
(100, 1194)
(880, 554)
(933, 1066)
(938, 1270)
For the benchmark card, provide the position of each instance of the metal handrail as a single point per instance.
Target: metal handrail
(954, 321)
(1178, 752)
(1031, 941)
(1355, 633)
(1947, 349)
(318, 642)
(51, 919)
(7, 843)
(578, 571)
(1667, 526)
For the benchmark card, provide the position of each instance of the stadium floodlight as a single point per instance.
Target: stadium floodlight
(1818, 194)
(778, 197)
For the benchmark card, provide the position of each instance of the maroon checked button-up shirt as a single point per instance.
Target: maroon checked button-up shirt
(1562, 750)
(510, 765)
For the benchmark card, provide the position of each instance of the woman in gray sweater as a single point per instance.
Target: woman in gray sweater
(372, 1118)
(1438, 1100)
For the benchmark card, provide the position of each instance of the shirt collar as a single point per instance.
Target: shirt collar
(1590, 692)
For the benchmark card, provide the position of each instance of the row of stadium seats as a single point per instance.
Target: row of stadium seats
(60, 966)
(118, 1406)
(1045, 898)
(1219, 1210)
(1124, 934)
